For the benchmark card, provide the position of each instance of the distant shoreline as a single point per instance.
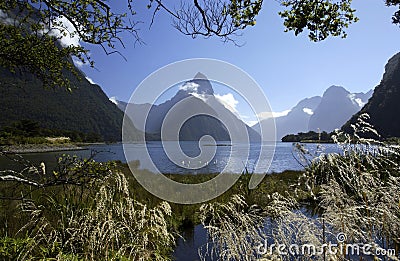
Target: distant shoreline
(40, 148)
(310, 141)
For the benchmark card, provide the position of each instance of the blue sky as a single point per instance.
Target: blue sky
(288, 68)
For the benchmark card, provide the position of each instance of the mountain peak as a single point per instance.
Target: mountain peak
(204, 85)
(199, 85)
(392, 67)
(200, 76)
(335, 90)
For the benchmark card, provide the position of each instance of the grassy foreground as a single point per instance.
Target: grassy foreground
(86, 210)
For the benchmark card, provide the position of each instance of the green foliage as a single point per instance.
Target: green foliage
(320, 18)
(31, 30)
(78, 115)
(21, 51)
(27, 128)
(10, 248)
(310, 136)
(83, 210)
(30, 132)
(7, 140)
(396, 15)
(243, 12)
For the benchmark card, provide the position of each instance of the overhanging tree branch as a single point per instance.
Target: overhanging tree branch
(70, 171)
(44, 24)
(220, 18)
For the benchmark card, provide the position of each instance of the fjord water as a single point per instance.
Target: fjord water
(284, 158)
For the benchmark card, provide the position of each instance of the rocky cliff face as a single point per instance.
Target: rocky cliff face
(384, 105)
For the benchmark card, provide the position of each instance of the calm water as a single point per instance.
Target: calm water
(283, 159)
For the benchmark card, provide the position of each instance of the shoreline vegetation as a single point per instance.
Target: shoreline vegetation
(41, 148)
(28, 136)
(113, 178)
(309, 137)
(86, 202)
(84, 209)
(324, 137)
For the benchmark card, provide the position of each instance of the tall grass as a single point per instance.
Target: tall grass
(233, 229)
(354, 193)
(93, 219)
(85, 210)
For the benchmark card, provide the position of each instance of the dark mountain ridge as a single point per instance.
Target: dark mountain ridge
(384, 105)
(85, 109)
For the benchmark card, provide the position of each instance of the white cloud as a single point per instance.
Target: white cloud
(189, 87)
(66, 33)
(273, 114)
(90, 80)
(114, 100)
(228, 100)
(265, 115)
(280, 113)
(308, 111)
(199, 96)
(63, 30)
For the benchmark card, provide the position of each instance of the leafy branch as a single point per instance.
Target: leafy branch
(70, 170)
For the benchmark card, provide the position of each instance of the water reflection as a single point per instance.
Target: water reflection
(284, 157)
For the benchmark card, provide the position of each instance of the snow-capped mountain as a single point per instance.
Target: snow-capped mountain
(325, 113)
(296, 119)
(336, 107)
(193, 97)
